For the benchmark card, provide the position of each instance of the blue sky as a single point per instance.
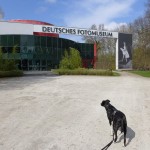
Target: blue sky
(74, 13)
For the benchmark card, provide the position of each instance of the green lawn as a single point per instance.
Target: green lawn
(82, 71)
(142, 73)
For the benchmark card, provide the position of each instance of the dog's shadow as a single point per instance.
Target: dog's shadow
(130, 135)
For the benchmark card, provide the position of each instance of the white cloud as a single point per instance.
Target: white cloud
(114, 25)
(87, 12)
(41, 9)
(1, 14)
(44, 8)
(50, 1)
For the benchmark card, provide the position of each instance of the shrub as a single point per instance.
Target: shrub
(71, 59)
(13, 73)
(7, 64)
(82, 71)
(8, 67)
(141, 59)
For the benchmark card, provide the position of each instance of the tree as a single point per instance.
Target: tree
(71, 59)
(105, 49)
(141, 36)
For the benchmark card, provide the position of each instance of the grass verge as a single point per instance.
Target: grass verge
(82, 71)
(142, 73)
(13, 73)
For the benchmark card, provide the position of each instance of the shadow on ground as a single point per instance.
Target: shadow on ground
(130, 135)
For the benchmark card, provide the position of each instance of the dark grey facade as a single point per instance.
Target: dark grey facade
(40, 52)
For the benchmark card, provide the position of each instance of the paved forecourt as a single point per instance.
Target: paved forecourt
(47, 112)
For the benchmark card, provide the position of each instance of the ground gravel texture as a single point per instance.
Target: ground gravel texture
(48, 112)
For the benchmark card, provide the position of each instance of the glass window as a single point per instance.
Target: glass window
(16, 40)
(49, 42)
(37, 40)
(4, 40)
(4, 49)
(10, 39)
(9, 49)
(27, 40)
(59, 43)
(43, 41)
(44, 51)
(30, 40)
(24, 40)
(55, 43)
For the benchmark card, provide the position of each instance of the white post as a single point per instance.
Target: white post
(117, 56)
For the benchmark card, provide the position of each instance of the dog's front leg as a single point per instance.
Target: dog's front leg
(111, 126)
(111, 129)
(115, 135)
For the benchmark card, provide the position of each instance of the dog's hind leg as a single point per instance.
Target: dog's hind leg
(124, 125)
(125, 132)
(124, 144)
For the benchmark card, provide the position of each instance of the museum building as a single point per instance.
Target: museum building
(39, 50)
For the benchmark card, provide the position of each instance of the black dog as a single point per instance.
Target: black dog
(116, 118)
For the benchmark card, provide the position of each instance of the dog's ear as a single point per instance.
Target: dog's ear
(108, 100)
(105, 102)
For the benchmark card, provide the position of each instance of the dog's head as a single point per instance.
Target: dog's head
(105, 103)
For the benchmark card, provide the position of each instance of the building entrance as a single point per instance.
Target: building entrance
(123, 41)
(29, 64)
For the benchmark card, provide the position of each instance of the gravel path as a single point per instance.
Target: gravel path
(64, 112)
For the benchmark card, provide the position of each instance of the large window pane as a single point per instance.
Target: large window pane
(43, 41)
(49, 42)
(17, 40)
(37, 40)
(10, 39)
(4, 40)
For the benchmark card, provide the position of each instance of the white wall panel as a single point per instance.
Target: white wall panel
(15, 28)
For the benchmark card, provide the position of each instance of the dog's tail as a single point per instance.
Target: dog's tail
(124, 125)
